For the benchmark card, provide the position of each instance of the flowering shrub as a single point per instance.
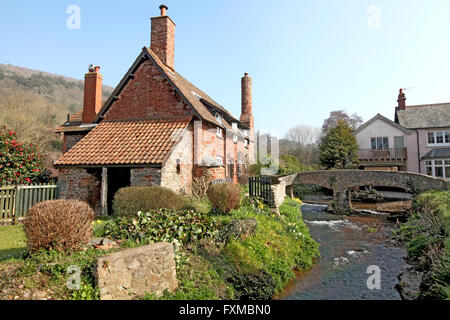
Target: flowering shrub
(19, 163)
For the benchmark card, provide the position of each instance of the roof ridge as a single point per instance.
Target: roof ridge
(152, 119)
(428, 105)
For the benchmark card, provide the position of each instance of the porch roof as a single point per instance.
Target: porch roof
(128, 142)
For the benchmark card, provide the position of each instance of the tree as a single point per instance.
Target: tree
(301, 142)
(338, 147)
(19, 163)
(354, 121)
(290, 164)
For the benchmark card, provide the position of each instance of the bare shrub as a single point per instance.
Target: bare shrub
(225, 196)
(200, 188)
(59, 225)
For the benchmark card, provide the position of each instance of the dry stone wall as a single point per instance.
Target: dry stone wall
(133, 273)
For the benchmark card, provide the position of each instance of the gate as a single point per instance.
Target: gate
(260, 187)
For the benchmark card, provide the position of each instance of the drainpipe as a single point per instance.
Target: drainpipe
(418, 150)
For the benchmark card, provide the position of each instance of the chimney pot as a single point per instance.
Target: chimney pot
(163, 9)
(401, 100)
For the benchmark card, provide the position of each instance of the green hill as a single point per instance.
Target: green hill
(33, 103)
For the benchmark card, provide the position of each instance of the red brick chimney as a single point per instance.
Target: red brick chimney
(247, 112)
(401, 100)
(92, 94)
(163, 38)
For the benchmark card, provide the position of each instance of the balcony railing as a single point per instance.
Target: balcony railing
(385, 155)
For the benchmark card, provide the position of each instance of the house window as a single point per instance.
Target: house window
(219, 160)
(438, 168)
(219, 132)
(439, 137)
(231, 170)
(379, 143)
(219, 118)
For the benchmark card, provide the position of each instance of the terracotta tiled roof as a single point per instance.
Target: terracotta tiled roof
(193, 94)
(126, 143)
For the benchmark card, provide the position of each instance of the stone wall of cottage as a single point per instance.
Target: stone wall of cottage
(179, 179)
(81, 184)
(148, 95)
(71, 139)
(133, 273)
(145, 177)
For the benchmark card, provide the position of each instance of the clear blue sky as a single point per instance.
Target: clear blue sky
(306, 58)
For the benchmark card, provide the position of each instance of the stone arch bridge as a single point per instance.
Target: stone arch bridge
(342, 181)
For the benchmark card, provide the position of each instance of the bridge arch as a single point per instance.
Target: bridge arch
(340, 181)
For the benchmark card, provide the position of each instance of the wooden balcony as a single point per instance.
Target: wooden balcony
(392, 155)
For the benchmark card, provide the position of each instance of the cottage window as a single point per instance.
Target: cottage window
(379, 143)
(438, 168)
(439, 137)
(219, 132)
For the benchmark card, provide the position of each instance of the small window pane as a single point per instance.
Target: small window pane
(447, 162)
(379, 143)
(447, 172)
(385, 143)
(439, 172)
(438, 162)
(373, 143)
(431, 137)
(447, 136)
(429, 171)
(439, 137)
(429, 163)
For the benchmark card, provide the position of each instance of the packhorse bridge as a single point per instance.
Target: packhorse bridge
(343, 181)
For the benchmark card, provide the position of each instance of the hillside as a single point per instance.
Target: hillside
(33, 103)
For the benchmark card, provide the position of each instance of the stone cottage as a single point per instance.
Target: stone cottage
(156, 128)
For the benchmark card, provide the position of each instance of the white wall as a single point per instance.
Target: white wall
(378, 128)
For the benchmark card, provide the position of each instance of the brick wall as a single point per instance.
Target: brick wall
(144, 177)
(133, 273)
(81, 184)
(148, 95)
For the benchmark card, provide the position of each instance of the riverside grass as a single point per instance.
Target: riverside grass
(426, 236)
(256, 267)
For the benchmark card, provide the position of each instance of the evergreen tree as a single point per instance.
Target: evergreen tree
(338, 147)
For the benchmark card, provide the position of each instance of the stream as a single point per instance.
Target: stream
(348, 246)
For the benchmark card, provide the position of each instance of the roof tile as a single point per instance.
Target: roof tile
(126, 142)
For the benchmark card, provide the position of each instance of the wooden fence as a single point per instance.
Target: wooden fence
(260, 187)
(16, 201)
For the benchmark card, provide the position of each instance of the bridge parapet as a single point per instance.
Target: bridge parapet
(341, 181)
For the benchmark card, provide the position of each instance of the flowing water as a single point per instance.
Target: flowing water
(348, 246)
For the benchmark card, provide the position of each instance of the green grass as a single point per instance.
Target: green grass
(12, 242)
(258, 266)
(428, 231)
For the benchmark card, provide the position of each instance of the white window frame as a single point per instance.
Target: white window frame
(382, 143)
(431, 164)
(435, 134)
(219, 133)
